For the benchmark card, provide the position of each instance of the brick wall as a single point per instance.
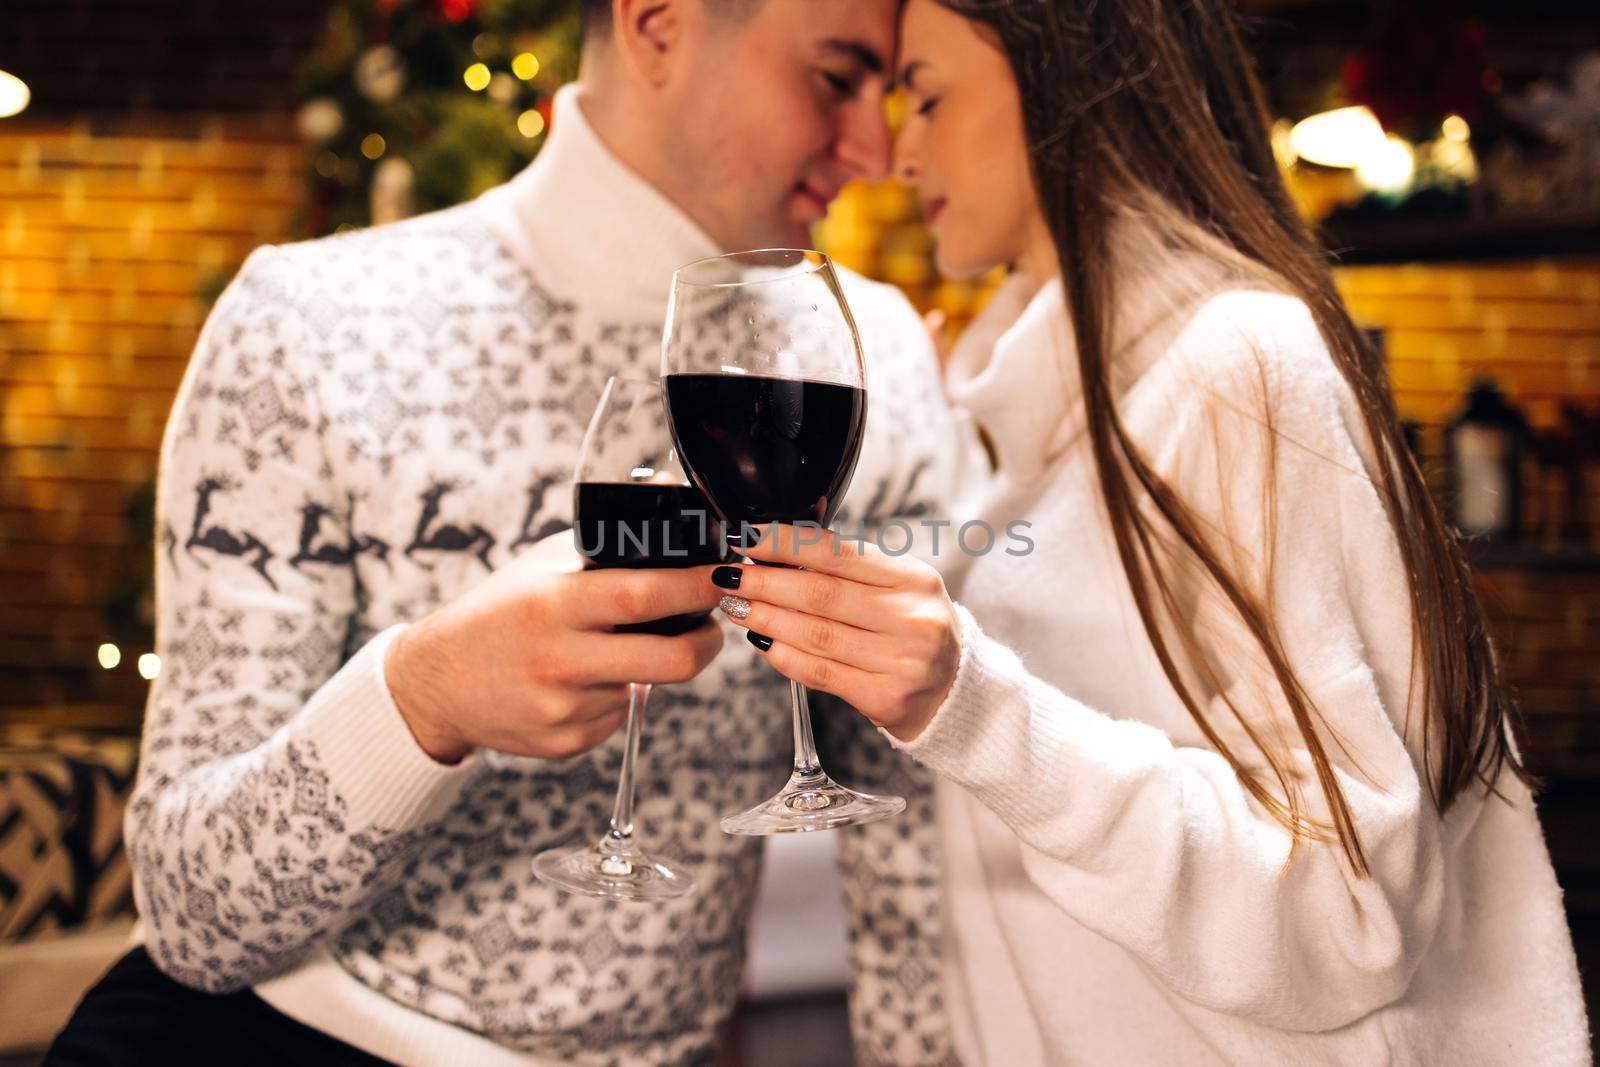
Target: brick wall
(113, 238)
(156, 153)
(1547, 629)
(1535, 328)
(119, 57)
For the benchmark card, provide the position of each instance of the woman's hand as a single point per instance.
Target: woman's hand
(875, 630)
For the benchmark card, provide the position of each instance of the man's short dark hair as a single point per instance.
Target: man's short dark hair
(597, 13)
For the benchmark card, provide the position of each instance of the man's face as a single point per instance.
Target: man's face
(777, 112)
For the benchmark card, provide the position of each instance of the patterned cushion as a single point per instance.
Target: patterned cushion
(62, 796)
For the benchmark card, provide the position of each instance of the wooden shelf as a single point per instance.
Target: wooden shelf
(1414, 240)
(94, 718)
(1499, 556)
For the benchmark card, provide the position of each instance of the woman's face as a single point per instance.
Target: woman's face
(964, 149)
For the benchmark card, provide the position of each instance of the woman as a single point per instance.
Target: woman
(1226, 771)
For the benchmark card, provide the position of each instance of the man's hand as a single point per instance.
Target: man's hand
(526, 663)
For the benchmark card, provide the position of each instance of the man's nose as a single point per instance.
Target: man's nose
(863, 145)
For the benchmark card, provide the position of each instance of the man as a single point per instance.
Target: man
(375, 708)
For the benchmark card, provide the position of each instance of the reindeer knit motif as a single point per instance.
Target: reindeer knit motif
(371, 424)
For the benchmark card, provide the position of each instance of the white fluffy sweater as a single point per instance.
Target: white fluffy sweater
(1113, 893)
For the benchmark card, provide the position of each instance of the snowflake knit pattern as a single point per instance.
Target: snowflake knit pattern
(371, 424)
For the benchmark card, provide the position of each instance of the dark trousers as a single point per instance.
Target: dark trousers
(137, 1015)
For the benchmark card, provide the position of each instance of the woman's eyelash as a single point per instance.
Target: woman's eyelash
(926, 107)
(838, 83)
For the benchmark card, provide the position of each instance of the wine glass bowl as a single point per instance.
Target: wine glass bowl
(766, 399)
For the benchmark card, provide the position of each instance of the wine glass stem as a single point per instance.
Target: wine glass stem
(805, 747)
(622, 813)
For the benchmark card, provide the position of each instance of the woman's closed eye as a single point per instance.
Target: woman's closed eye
(841, 85)
(928, 104)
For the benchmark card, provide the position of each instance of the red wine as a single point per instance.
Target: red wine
(767, 449)
(645, 524)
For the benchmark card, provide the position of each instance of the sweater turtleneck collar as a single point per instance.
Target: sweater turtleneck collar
(593, 230)
(1021, 382)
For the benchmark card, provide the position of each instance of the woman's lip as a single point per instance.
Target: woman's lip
(812, 199)
(931, 210)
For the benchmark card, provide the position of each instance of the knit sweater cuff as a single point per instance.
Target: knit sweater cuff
(995, 736)
(372, 760)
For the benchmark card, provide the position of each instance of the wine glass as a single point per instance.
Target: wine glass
(767, 402)
(633, 507)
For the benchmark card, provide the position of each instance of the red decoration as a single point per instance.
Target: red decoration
(458, 10)
(1423, 62)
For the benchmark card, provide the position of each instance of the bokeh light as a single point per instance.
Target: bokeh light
(530, 123)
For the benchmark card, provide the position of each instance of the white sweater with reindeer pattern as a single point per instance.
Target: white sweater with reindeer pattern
(372, 423)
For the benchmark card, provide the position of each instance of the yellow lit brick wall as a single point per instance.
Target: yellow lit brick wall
(111, 243)
(1533, 327)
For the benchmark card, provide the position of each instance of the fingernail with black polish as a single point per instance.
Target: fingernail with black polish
(726, 577)
(761, 641)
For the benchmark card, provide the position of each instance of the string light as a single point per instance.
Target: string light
(477, 77)
(503, 89)
(1453, 158)
(1340, 138)
(109, 655)
(1389, 168)
(525, 66)
(149, 666)
(1455, 128)
(530, 123)
(372, 145)
(14, 94)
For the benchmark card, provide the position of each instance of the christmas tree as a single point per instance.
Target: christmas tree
(413, 105)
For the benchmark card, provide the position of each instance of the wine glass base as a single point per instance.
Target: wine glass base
(613, 870)
(812, 803)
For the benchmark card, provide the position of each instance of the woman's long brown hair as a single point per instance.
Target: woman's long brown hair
(1153, 106)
